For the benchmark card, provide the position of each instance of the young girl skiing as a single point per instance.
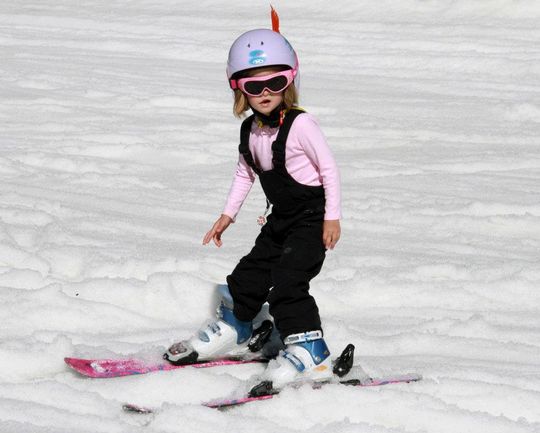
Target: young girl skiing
(283, 146)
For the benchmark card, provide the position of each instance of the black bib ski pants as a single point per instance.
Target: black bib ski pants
(289, 250)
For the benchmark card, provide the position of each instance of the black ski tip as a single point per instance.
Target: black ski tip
(262, 389)
(260, 336)
(133, 408)
(344, 363)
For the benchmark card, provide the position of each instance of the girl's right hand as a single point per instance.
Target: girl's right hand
(217, 229)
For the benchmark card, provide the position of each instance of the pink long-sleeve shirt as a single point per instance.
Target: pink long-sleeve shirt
(308, 160)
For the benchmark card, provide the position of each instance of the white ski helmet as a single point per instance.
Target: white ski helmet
(260, 48)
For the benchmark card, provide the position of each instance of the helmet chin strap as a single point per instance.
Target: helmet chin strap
(272, 120)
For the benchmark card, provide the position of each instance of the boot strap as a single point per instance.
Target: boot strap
(303, 337)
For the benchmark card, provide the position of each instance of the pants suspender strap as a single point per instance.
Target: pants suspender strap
(279, 145)
(243, 148)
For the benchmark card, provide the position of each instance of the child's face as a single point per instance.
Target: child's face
(267, 101)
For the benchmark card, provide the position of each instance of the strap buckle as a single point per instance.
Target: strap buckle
(303, 337)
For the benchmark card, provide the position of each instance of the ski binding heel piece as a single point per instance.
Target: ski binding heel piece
(180, 354)
(260, 336)
(262, 389)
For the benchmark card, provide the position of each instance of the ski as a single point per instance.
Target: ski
(370, 382)
(229, 403)
(107, 368)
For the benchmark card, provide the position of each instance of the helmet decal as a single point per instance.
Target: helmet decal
(257, 57)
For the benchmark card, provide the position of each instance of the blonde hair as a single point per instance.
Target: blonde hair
(241, 105)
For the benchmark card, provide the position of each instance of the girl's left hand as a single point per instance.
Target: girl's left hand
(331, 233)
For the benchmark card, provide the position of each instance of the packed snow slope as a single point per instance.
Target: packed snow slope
(117, 148)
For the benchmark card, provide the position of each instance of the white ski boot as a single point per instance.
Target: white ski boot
(306, 358)
(225, 337)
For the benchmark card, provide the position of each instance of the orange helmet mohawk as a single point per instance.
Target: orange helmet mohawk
(275, 19)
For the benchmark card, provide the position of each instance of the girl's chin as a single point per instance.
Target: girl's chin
(266, 108)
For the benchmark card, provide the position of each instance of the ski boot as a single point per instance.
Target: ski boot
(306, 358)
(224, 337)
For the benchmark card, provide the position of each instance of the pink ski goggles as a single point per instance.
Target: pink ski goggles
(274, 83)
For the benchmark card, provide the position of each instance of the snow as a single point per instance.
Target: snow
(117, 149)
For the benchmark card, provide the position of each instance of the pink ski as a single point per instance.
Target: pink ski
(228, 403)
(221, 404)
(106, 368)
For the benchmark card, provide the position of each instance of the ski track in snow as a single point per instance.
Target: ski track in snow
(117, 150)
